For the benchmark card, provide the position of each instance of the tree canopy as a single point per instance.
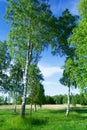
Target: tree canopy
(65, 25)
(79, 41)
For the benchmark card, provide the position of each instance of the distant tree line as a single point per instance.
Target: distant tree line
(57, 99)
(62, 99)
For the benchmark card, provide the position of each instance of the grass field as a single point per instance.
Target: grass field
(44, 119)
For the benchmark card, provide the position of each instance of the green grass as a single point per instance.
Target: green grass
(44, 120)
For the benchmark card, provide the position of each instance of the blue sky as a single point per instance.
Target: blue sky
(49, 65)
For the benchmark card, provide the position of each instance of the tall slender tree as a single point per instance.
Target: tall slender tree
(35, 85)
(31, 30)
(68, 79)
(65, 25)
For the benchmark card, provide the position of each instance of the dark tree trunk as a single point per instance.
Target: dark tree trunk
(35, 108)
(15, 108)
(31, 110)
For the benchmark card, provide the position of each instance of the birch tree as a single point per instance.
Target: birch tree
(65, 24)
(68, 79)
(32, 27)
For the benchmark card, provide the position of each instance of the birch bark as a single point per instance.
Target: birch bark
(68, 105)
(25, 79)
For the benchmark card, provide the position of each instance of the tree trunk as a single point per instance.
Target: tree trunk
(68, 105)
(15, 108)
(25, 79)
(15, 101)
(31, 110)
(35, 107)
(25, 89)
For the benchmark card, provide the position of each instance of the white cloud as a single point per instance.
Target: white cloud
(49, 71)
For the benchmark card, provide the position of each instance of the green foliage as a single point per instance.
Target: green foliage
(1, 100)
(4, 100)
(58, 99)
(65, 25)
(79, 40)
(49, 100)
(83, 8)
(74, 100)
(15, 81)
(64, 99)
(68, 78)
(19, 99)
(83, 99)
(4, 65)
(4, 54)
(31, 22)
(79, 99)
(15, 78)
(32, 29)
(35, 86)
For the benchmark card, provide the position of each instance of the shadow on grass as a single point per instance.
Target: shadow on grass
(75, 114)
(39, 121)
(80, 110)
(58, 111)
(2, 120)
(8, 112)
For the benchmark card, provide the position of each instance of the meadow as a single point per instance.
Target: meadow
(44, 119)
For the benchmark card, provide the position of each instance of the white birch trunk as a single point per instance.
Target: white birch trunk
(25, 79)
(68, 104)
